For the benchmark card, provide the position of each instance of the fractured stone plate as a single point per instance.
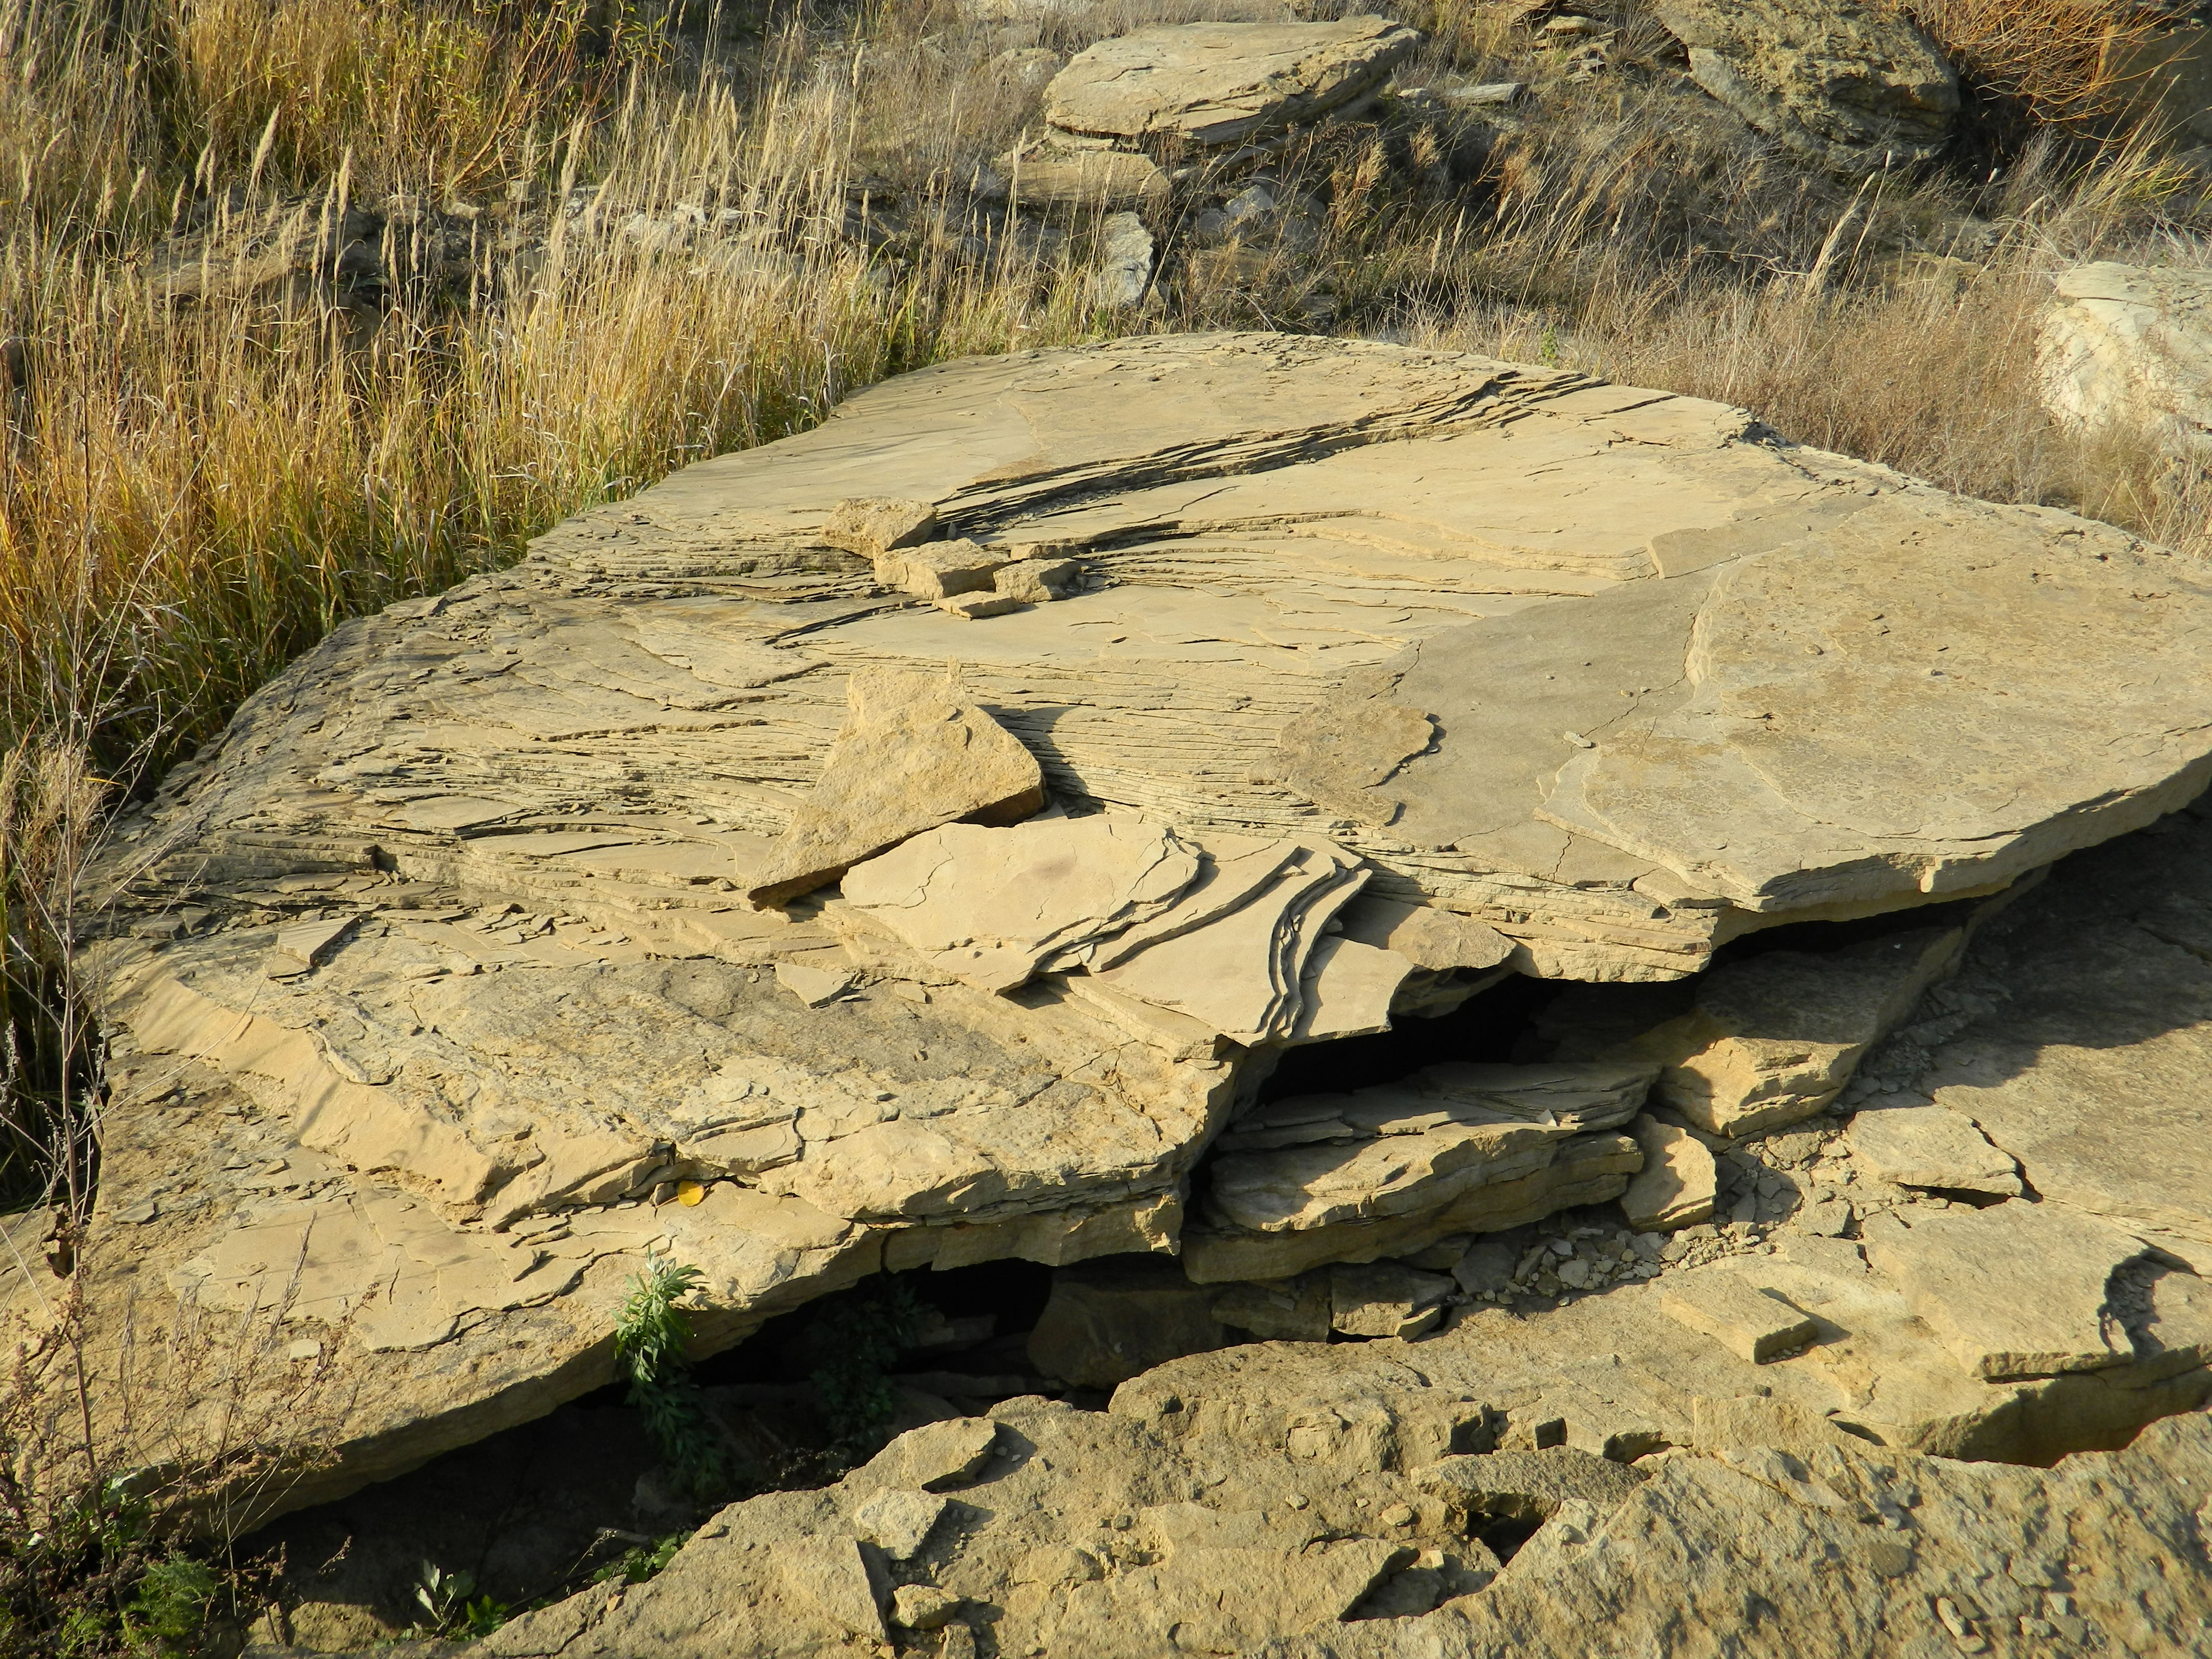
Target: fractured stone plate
(1598, 668)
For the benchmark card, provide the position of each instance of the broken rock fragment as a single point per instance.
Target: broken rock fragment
(2017, 1290)
(1928, 1146)
(1747, 1318)
(872, 527)
(1678, 1183)
(1459, 1148)
(1772, 1040)
(1220, 83)
(990, 906)
(915, 752)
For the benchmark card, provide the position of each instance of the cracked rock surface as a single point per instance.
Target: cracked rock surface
(442, 995)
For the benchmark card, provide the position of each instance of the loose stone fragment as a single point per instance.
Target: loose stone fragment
(1749, 1322)
(915, 752)
(898, 1522)
(1773, 1039)
(1037, 582)
(873, 527)
(1220, 83)
(1928, 1146)
(1678, 1182)
(813, 985)
(936, 1457)
(990, 906)
(940, 570)
(1384, 1299)
(1056, 177)
(1125, 262)
(2129, 347)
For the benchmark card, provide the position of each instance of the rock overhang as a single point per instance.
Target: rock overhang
(1597, 673)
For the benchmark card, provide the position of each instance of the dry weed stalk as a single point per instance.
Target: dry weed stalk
(2057, 58)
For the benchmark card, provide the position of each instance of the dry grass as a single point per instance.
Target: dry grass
(2053, 57)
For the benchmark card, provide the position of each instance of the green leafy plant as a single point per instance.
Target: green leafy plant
(857, 1342)
(169, 1612)
(454, 1608)
(637, 1564)
(651, 1334)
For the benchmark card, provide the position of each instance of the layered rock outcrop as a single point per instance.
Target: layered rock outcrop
(1850, 86)
(442, 996)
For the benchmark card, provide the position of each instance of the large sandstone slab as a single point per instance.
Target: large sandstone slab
(2017, 1290)
(501, 841)
(1855, 87)
(1221, 83)
(2129, 349)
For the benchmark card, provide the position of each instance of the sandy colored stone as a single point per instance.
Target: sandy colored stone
(1427, 936)
(1384, 1299)
(1037, 582)
(1851, 86)
(896, 1522)
(990, 905)
(1452, 1181)
(1617, 1375)
(935, 1457)
(1344, 753)
(2016, 1290)
(1219, 83)
(1050, 177)
(1927, 1146)
(1379, 1171)
(1241, 974)
(915, 753)
(1529, 1486)
(1744, 1316)
(813, 985)
(1678, 1183)
(1773, 1040)
(873, 525)
(1126, 250)
(2078, 1041)
(940, 570)
(2129, 347)
(546, 793)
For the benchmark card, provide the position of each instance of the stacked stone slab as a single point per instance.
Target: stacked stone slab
(441, 998)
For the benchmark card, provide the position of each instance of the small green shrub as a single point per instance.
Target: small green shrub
(651, 1334)
(454, 1608)
(642, 1562)
(857, 1341)
(170, 1609)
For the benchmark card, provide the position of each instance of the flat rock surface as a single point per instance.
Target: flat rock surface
(499, 842)
(2078, 1034)
(2131, 346)
(2105, 1554)
(1218, 83)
